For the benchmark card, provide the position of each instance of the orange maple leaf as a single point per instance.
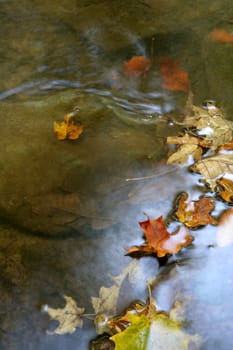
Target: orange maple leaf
(159, 241)
(137, 65)
(195, 213)
(221, 35)
(67, 129)
(173, 78)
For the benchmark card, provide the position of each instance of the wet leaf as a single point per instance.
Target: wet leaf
(173, 78)
(105, 305)
(221, 35)
(137, 65)
(67, 129)
(153, 333)
(185, 153)
(69, 317)
(225, 189)
(195, 213)
(159, 241)
(211, 125)
(214, 167)
(224, 235)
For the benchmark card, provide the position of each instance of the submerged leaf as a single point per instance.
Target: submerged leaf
(68, 129)
(159, 241)
(137, 65)
(105, 305)
(173, 78)
(69, 317)
(221, 35)
(195, 213)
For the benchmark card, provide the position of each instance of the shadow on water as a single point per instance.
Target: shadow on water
(69, 209)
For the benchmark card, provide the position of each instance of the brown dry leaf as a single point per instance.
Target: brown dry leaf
(159, 241)
(105, 306)
(225, 189)
(184, 153)
(212, 168)
(68, 129)
(195, 213)
(69, 317)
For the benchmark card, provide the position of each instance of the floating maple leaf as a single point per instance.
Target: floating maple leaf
(137, 66)
(159, 241)
(221, 35)
(151, 330)
(195, 213)
(68, 129)
(173, 78)
(69, 317)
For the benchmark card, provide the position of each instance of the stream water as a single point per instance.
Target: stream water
(69, 209)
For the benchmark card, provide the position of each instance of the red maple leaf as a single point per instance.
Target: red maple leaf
(173, 78)
(159, 241)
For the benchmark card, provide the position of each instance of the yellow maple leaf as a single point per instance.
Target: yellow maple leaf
(67, 129)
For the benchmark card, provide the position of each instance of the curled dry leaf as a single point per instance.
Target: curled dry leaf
(188, 146)
(137, 66)
(159, 241)
(173, 78)
(69, 317)
(68, 129)
(225, 189)
(212, 168)
(195, 213)
(221, 35)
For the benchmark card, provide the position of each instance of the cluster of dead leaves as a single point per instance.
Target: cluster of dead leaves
(207, 143)
(68, 129)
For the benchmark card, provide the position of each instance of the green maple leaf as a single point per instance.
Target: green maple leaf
(158, 332)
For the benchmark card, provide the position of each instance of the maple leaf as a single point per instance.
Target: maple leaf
(159, 241)
(195, 213)
(67, 129)
(69, 317)
(173, 78)
(157, 331)
(188, 146)
(137, 66)
(221, 35)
